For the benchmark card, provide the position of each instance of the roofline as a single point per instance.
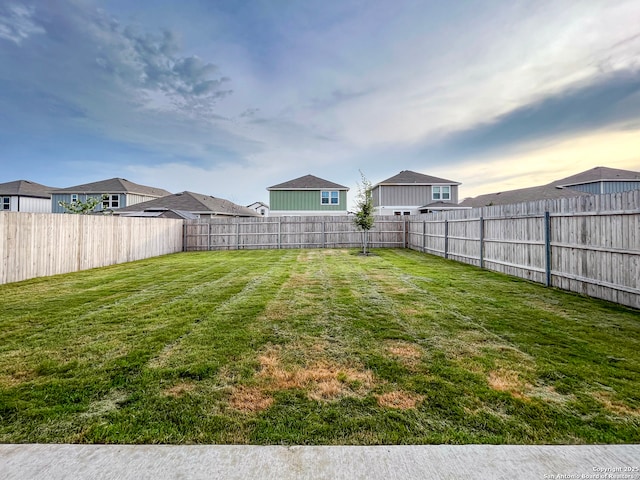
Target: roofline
(30, 195)
(346, 189)
(563, 185)
(417, 183)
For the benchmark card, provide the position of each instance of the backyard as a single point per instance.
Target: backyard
(313, 347)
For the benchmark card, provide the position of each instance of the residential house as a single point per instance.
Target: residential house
(187, 205)
(598, 180)
(308, 195)
(260, 207)
(114, 193)
(25, 196)
(409, 193)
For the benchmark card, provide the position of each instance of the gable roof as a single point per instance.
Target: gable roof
(193, 203)
(25, 188)
(598, 174)
(115, 185)
(407, 177)
(308, 182)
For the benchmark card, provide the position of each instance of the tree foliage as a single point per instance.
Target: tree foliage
(364, 218)
(80, 207)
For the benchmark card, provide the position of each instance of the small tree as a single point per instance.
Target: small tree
(364, 211)
(80, 207)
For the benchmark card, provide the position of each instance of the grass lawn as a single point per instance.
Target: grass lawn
(313, 347)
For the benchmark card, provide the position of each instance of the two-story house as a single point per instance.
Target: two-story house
(113, 193)
(410, 193)
(25, 196)
(308, 195)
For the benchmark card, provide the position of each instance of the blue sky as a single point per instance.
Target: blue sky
(229, 97)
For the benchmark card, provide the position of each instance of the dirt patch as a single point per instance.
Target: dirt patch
(613, 405)
(178, 390)
(245, 399)
(399, 399)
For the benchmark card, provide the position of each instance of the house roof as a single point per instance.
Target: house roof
(25, 188)
(308, 182)
(557, 189)
(407, 177)
(114, 185)
(598, 174)
(440, 205)
(162, 213)
(258, 204)
(530, 194)
(193, 203)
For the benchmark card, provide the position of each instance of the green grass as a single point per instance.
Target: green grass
(313, 347)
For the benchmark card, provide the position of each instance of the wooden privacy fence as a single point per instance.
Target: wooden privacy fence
(290, 232)
(41, 244)
(588, 244)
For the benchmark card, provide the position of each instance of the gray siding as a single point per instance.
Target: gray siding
(405, 195)
(66, 197)
(607, 187)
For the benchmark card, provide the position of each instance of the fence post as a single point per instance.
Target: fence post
(547, 247)
(237, 233)
(424, 236)
(279, 233)
(208, 236)
(323, 235)
(446, 239)
(481, 241)
(184, 235)
(404, 232)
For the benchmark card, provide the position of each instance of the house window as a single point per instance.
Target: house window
(6, 203)
(330, 198)
(397, 212)
(441, 193)
(74, 197)
(111, 201)
(262, 211)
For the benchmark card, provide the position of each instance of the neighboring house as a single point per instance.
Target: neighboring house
(118, 193)
(196, 205)
(308, 195)
(409, 193)
(598, 180)
(260, 207)
(25, 196)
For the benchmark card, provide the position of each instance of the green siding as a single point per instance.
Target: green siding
(303, 200)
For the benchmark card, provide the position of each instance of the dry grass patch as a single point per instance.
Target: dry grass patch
(406, 353)
(322, 379)
(504, 380)
(615, 406)
(399, 399)
(179, 389)
(250, 399)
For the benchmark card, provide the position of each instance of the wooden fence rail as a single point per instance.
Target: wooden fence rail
(41, 244)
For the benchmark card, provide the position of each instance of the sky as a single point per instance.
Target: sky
(229, 97)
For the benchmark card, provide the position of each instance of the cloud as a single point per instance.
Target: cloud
(610, 101)
(17, 23)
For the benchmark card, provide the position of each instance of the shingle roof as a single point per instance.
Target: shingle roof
(194, 203)
(557, 189)
(25, 188)
(308, 182)
(597, 174)
(544, 192)
(115, 185)
(407, 177)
